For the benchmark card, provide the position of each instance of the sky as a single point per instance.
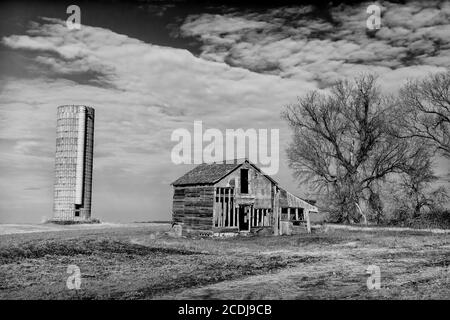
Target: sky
(151, 67)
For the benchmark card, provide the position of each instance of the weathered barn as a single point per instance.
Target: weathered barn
(222, 198)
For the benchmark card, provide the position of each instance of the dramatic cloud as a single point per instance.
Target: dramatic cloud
(295, 43)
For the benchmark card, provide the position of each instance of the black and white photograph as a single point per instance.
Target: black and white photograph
(241, 151)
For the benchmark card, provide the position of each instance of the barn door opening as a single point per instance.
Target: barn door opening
(244, 217)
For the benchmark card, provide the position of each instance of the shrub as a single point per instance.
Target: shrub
(436, 218)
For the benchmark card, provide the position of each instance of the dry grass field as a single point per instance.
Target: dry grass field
(142, 262)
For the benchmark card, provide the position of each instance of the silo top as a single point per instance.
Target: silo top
(75, 109)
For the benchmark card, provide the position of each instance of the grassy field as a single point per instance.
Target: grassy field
(142, 262)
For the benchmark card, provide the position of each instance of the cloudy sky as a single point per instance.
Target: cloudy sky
(150, 67)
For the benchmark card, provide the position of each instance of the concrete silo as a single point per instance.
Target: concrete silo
(73, 165)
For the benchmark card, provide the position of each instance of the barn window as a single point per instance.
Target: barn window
(244, 180)
(77, 210)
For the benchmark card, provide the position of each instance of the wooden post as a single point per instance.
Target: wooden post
(225, 208)
(275, 211)
(221, 205)
(308, 224)
(250, 218)
(214, 209)
(219, 209)
(229, 208)
(224, 205)
(237, 217)
(223, 211)
(279, 221)
(296, 214)
(234, 208)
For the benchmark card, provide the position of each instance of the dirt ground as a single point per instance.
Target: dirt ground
(142, 262)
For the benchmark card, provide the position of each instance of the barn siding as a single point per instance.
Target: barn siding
(193, 208)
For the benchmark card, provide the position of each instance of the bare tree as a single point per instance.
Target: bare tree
(426, 111)
(415, 184)
(342, 142)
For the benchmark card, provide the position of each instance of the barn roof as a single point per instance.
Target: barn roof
(206, 173)
(210, 173)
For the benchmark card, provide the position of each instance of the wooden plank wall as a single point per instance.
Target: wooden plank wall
(260, 218)
(225, 211)
(193, 208)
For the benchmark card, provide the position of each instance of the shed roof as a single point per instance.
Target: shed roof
(290, 200)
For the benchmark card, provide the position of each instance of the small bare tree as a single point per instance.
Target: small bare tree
(342, 142)
(416, 184)
(426, 111)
